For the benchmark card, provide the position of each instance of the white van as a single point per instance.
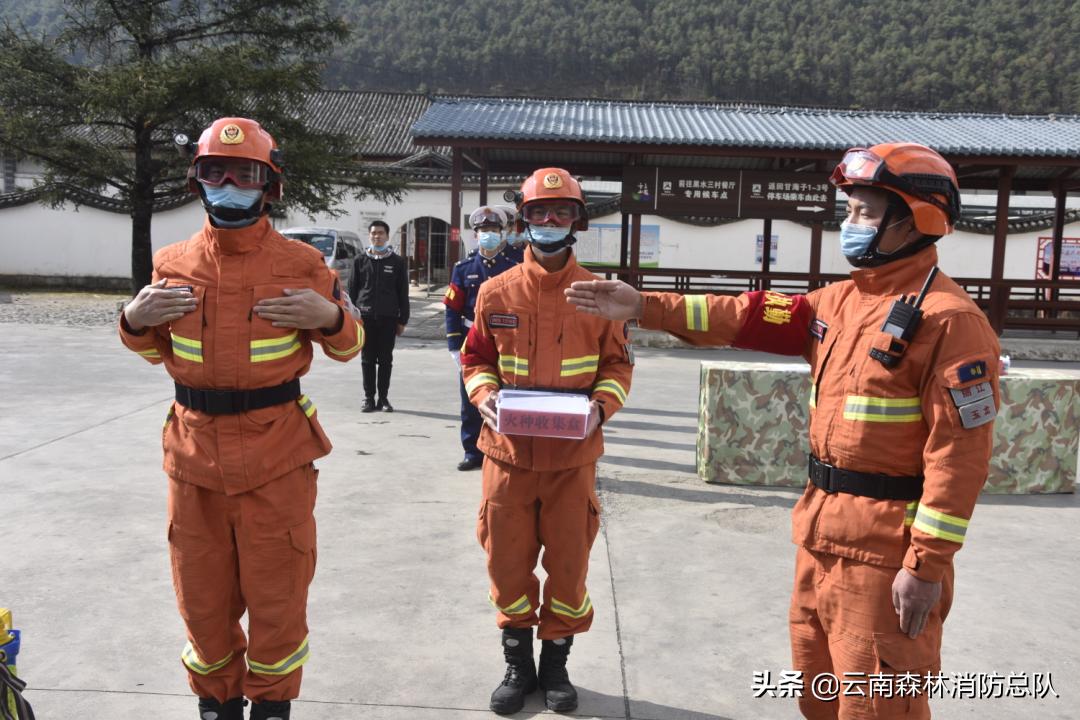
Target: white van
(339, 247)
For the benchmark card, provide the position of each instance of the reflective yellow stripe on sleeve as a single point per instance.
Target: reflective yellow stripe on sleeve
(359, 343)
(286, 665)
(579, 365)
(940, 525)
(887, 410)
(514, 365)
(609, 385)
(306, 405)
(151, 353)
(697, 313)
(909, 512)
(479, 380)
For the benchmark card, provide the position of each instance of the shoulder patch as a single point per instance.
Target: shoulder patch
(818, 328)
(972, 371)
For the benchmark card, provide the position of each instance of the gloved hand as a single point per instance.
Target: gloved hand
(456, 354)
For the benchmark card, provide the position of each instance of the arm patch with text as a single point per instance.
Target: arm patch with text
(775, 323)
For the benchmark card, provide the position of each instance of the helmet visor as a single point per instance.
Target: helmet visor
(560, 212)
(486, 216)
(241, 172)
(858, 165)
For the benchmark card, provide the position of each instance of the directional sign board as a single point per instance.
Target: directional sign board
(728, 193)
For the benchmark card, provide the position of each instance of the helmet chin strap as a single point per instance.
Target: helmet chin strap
(233, 217)
(874, 258)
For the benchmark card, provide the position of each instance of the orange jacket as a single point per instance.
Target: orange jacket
(224, 344)
(527, 335)
(930, 415)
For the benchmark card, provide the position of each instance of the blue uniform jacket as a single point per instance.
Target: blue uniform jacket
(465, 280)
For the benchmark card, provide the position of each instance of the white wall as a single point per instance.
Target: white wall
(35, 240)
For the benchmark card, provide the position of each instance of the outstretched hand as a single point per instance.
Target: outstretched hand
(611, 299)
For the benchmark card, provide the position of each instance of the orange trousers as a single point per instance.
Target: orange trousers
(252, 552)
(522, 511)
(842, 621)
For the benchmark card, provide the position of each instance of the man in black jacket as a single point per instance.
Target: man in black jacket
(380, 290)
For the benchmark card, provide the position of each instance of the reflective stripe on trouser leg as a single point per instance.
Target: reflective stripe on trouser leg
(569, 521)
(276, 540)
(506, 529)
(204, 570)
(853, 601)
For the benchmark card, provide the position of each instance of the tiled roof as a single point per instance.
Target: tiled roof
(744, 126)
(384, 118)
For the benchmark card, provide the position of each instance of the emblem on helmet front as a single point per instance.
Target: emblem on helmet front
(552, 181)
(231, 134)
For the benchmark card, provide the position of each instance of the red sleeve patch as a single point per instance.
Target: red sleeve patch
(454, 298)
(775, 323)
(479, 349)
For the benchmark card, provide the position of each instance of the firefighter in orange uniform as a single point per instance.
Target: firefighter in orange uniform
(903, 398)
(233, 313)
(540, 491)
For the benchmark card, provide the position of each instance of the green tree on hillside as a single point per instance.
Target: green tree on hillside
(149, 69)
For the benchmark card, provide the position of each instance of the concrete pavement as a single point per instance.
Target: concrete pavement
(690, 581)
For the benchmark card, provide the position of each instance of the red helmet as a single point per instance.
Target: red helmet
(237, 139)
(919, 175)
(552, 184)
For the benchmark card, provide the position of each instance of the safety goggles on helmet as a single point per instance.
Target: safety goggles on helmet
(487, 216)
(241, 172)
(558, 212)
(865, 167)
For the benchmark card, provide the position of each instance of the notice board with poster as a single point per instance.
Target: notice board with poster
(600, 245)
(1070, 259)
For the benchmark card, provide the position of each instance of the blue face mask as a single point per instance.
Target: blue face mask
(547, 235)
(489, 240)
(230, 196)
(855, 239)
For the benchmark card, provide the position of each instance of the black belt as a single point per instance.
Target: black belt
(230, 402)
(882, 487)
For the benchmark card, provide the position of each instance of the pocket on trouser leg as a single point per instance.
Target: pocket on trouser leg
(907, 663)
(276, 567)
(202, 574)
(593, 520)
(482, 532)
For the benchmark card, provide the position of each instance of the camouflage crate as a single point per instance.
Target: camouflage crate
(753, 420)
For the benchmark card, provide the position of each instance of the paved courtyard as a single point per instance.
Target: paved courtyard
(690, 581)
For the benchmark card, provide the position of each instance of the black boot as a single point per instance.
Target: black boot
(559, 694)
(211, 709)
(368, 406)
(270, 710)
(520, 678)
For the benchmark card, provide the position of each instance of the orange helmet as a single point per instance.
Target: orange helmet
(239, 139)
(551, 184)
(919, 175)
